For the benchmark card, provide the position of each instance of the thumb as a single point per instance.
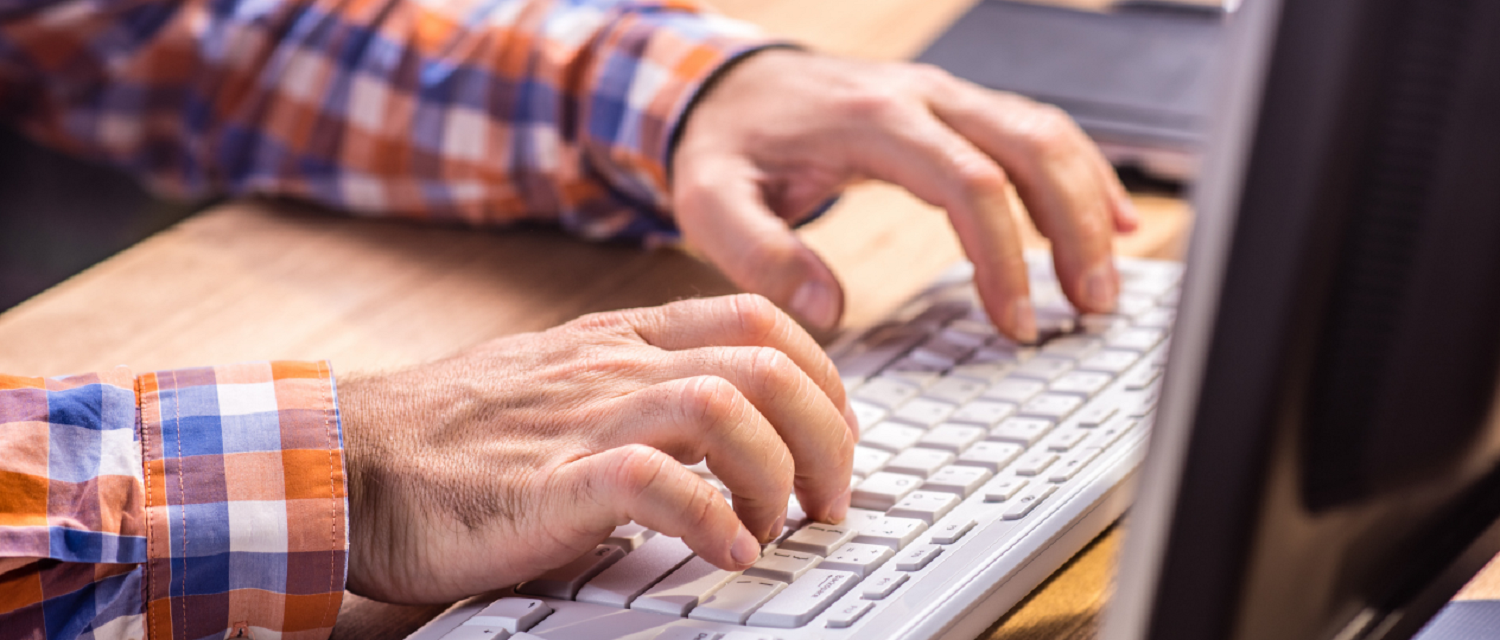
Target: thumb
(730, 224)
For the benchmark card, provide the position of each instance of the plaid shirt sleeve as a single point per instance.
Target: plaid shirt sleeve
(478, 111)
(177, 504)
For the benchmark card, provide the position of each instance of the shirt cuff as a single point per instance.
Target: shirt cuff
(651, 66)
(245, 500)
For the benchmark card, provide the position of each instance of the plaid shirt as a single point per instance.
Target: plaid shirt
(178, 504)
(482, 112)
(211, 502)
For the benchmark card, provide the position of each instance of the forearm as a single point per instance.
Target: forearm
(488, 114)
(177, 504)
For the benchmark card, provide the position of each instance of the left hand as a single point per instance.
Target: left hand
(783, 131)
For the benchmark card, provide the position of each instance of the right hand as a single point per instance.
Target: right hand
(495, 465)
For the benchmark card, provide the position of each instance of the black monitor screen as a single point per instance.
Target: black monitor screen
(1324, 463)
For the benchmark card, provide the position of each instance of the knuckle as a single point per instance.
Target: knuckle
(1049, 130)
(870, 103)
(773, 369)
(711, 400)
(636, 467)
(758, 318)
(979, 176)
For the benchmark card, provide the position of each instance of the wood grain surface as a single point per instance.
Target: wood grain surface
(258, 280)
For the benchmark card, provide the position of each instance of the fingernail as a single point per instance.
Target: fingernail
(840, 509)
(817, 303)
(745, 549)
(851, 419)
(1100, 286)
(1023, 320)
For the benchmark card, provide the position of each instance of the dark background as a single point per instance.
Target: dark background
(59, 215)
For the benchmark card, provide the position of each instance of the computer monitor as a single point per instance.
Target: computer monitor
(1324, 463)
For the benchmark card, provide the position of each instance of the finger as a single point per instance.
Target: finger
(704, 417)
(740, 321)
(1126, 217)
(937, 165)
(1056, 171)
(722, 213)
(638, 483)
(821, 447)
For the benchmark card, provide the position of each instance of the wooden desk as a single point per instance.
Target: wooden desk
(257, 280)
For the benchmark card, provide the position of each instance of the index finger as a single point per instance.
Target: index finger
(1058, 173)
(744, 320)
(936, 164)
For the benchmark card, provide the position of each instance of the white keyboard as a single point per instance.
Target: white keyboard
(982, 467)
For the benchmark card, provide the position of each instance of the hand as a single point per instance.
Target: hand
(783, 131)
(490, 467)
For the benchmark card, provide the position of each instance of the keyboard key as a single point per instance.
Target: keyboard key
(1072, 347)
(1111, 433)
(858, 558)
(923, 412)
(913, 372)
(983, 412)
(950, 532)
(847, 614)
(629, 536)
(477, 632)
(1064, 440)
(628, 578)
(891, 436)
(894, 533)
(1111, 361)
(939, 349)
(1044, 368)
(1140, 340)
(1023, 504)
(876, 348)
(984, 372)
(1141, 378)
(917, 557)
(819, 538)
(952, 437)
(1097, 414)
(868, 460)
(970, 340)
(883, 489)
(867, 414)
(564, 582)
(1081, 383)
(784, 565)
(1158, 318)
(886, 393)
(927, 506)
(879, 587)
(1133, 304)
(734, 602)
(1072, 463)
(804, 599)
(1003, 490)
(1052, 406)
(955, 390)
(514, 615)
(1035, 463)
(961, 480)
(684, 588)
(1022, 431)
(920, 461)
(1015, 390)
(980, 331)
(990, 455)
